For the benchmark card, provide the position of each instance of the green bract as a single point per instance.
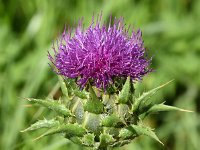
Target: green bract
(97, 119)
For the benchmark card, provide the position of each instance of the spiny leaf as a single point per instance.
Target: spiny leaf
(109, 102)
(125, 92)
(127, 133)
(105, 140)
(69, 129)
(112, 121)
(76, 140)
(81, 94)
(163, 107)
(93, 107)
(121, 143)
(93, 95)
(93, 104)
(112, 131)
(123, 112)
(92, 122)
(77, 109)
(63, 87)
(43, 124)
(141, 101)
(88, 139)
(53, 105)
(142, 130)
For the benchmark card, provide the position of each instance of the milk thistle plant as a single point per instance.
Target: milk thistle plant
(97, 68)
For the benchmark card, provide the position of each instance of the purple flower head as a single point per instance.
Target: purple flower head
(100, 53)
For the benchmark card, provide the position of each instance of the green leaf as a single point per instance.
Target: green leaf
(81, 94)
(127, 133)
(121, 143)
(76, 140)
(63, 87)
(70, 130)
(112, 121)
(88, 139)
(124, 95)
(141, 102)
(92, 122)
(43, 124)
(105, 140)
(93, 95)
(163, 107)
(142, 130)
(123, 112)
(109, 102)
(93, 104)
(93, 107)
(77, 109)
(112, 131)
(53, 105)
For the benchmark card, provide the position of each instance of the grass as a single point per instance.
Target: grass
(170, 30)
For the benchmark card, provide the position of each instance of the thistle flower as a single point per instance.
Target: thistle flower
(100, 53)
(91, 117)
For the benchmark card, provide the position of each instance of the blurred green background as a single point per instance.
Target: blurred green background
(171, 31)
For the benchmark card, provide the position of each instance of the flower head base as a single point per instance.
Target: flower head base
(100, 53)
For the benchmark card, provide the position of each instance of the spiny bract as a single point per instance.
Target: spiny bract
(105, 112)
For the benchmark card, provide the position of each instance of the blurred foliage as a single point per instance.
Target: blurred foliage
(171, 33)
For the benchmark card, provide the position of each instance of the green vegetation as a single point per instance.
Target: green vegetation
(171, 31)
